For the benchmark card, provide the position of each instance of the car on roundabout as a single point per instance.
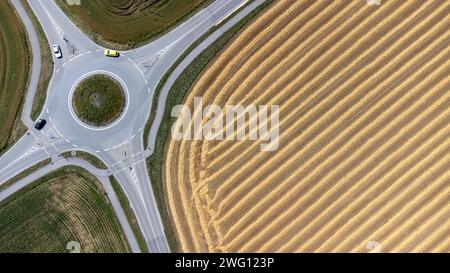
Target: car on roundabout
(40, 124)
(57, 51)
(111, 53)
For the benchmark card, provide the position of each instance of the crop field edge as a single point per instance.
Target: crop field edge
(155, 162)
(18, 128)
(98, 38)
(82, 174)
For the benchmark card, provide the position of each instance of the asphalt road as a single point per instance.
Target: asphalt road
(120, 145)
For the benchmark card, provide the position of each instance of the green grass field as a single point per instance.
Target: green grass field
(98, 100)
(129, 23)
(66, 205)
(14, 69)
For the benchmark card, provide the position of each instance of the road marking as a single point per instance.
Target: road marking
(134, 176)
(76, 57)
(148, 88)
(117, 163)
(57, 71)
(54, 147)
(230, 13)
(129, 59)
(140, 130)
(64, 64)
(98, 50)
(136, 154)
(138, 162)
(75, 145)
(46, 150)
(57, 131)
(47, 111)
(117, 146)
(89, 52)
(72, 112)
(133, 137)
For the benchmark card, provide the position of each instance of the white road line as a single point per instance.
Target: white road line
(72, 90)
(129, 59)
(57, 71)
(64, 64)
(74, 145)
(136, 154)
(121, 170)
(137, 66)
(133, 137)
(149, 90)
(230, 13)
(117, 146)
(140, 130)
(117, 163)
(98, 50)
(46, 150)
(47, 110)
(89, 52)
(138, 162)
(57, 131)
(54, 147)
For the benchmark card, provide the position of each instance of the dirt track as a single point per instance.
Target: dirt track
(364, 94)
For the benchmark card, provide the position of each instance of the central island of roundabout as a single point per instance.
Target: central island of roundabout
(99, 100)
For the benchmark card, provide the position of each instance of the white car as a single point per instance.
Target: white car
(57, 51)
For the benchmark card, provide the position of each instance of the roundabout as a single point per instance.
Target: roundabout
(82, 128)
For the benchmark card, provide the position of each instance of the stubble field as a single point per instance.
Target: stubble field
(364, 95)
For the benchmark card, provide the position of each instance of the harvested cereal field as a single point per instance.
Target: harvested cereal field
(128, 23)
(364, 149)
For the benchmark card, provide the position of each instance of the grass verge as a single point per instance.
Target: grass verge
(66, 205)
(46, 65)
(176, 96)
(25, 174)
(15, 60)
(131, 217)
(124, 24)
(95, 161)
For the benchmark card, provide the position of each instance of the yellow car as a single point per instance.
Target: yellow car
(111, 53)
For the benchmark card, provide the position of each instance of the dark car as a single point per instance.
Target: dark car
(40, 124)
